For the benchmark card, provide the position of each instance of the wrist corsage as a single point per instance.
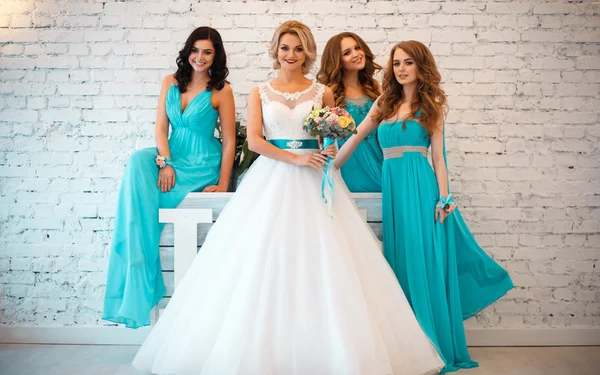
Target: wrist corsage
(446, 202)
(162, 161)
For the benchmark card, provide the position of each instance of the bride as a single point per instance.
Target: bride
(279, 287)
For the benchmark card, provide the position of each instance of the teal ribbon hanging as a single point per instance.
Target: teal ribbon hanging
(445, 200)
(327, 182)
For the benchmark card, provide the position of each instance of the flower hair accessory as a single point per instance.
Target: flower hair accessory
(446, 202)
(162, 161)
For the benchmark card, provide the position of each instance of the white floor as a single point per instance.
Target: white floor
(24, 359)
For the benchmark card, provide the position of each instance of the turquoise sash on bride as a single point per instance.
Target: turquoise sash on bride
(295, 144)
(309, 144)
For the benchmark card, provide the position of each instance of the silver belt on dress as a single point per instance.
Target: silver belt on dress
(398, 152)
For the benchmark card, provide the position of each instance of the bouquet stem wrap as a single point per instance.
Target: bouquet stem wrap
(327, 182)
(331, 124)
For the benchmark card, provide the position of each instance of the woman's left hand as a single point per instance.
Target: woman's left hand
(330, 151)
(215, 189)
(442, 214)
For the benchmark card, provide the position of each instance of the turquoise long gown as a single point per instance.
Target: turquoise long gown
(362, 171)
(134, 283)
(445, 274)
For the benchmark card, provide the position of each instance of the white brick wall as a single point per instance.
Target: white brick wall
(78, 88)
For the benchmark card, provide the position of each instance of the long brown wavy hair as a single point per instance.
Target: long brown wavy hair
(331, 73)
(429, 97)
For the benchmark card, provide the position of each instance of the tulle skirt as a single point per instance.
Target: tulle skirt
(281, 287)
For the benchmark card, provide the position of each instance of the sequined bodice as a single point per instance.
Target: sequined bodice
(358, 109)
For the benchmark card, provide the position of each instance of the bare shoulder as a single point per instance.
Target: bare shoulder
(328, 97)
(226, 91)
(440, 123)
(254, 100)
(376, 102)
(169, 80)
(255, 91)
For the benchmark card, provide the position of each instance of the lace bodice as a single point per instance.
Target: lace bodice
(284, 113)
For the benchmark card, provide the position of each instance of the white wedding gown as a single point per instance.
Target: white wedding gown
(281, 288)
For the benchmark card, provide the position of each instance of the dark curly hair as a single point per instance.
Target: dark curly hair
(218, 70)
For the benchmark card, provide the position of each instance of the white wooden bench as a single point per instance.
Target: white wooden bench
(187, 225)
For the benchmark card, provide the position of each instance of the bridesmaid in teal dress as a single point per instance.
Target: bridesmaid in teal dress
(191, 159)
(445, 274)
(347, 68)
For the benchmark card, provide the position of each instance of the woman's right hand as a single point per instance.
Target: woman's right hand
(166, 178)
(316, 161)
(330, 151)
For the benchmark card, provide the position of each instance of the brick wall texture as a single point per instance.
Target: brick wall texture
(79, 82)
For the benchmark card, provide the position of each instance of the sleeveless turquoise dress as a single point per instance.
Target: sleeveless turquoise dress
(362, 171)
(134, 283)
(445, 274)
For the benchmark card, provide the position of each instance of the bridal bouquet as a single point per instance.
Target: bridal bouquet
(331, 124)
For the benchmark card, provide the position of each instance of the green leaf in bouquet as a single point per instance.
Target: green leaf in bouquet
(247, 159)
(243, 158)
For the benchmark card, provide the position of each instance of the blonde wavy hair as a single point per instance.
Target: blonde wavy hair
(306, 38)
